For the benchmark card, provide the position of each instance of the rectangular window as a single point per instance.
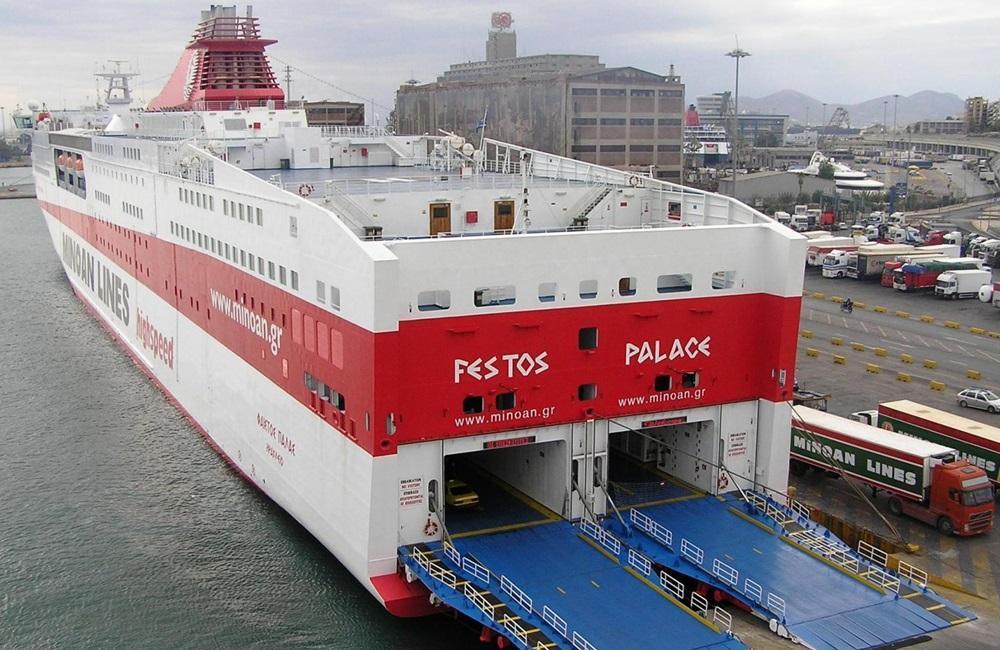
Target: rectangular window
(626, 286)
(612, 148)
(641, 92)
(547, 291)
(671, 93)
(588, 289)
(612, 121)
(243, 257)
(227, 252)
(225, 207)
(241, 213)
(323, 340)
(197, 199)
(673, 283)
(669, 121)
(586, 392)
(490, 296)
(260, 217)
(472, 404)
(641, 148)
(612, 92)
(282, 274)
(584, 91)
(260, 265)
(295, 280)
(335, 297)
(583, 148)
(642, 121)
(689, 380)
(584, 121)
(670, 148)
(180, 194)
(723, 279)
(250, 262)
(505, 401)
(587, 340)
(296, 326)
(211, 202)
(336, 348)
(433, 300)
(293, 226)
(309, 330)
(270, 270)
(661, 383)
(320, 292)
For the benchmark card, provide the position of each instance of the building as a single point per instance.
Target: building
(330, 113)
(938, 127)
(714, 105)
(976, 114)
(570, 105)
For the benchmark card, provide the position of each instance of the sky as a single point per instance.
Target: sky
(838, 51)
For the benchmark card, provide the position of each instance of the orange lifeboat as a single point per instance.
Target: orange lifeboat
(79, 166)
(61, 161)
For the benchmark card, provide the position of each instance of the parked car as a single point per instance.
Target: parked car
(979, 398)
(458, 494)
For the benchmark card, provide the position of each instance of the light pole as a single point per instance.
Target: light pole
(736, 54)
(3, 122)
(822, 127)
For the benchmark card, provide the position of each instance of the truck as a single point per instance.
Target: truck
(818, 248)
(873, 257)
(961, 284)
(976, 442)
(837, 263)
(990, 294)
(925, 480)
(923, 274)
(943, 237)
(941, 251)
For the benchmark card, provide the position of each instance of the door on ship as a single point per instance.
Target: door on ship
(503, 216)
(440, 218)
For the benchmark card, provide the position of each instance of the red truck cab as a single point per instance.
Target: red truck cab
(959, 500)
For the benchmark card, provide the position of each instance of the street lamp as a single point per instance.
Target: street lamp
(3, 122)
(736, 54)
(822, 127)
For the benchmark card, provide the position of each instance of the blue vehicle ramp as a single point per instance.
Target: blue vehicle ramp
(559, 585)
(809, 585)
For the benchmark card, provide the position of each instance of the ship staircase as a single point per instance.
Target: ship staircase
(587, 203)
(564, 585)
(810, 586)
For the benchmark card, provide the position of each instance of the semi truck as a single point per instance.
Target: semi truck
(871, 259)
(837, 263)
(961, 284)
(818, 249)
(925, 480)
(923, 274)
(976, 442)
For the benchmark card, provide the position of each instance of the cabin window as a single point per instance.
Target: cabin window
(242, 218)
(689, 380)
(723, 279)
(586, 392)
(309, 332)
(260, 217)
(321, 292)
(673, 283)
(505, 401)
(588, 338)
(491, 296)
(282, 274)
(295, 280)
(433, 300)
(547, 291)
(588, 289)
(296, 326)
(270, 267)
(626, 286)
(661, 383)
(335, 297)
(472, 404)
(323, 340)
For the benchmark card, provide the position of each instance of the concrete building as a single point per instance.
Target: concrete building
(753, 188)
(330, 113)
(569, 105)
(976, 114)
(714, 105)
(938, 127)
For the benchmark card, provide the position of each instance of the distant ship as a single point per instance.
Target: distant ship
(844, 177)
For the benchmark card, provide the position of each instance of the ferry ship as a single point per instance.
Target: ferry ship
(473, 374)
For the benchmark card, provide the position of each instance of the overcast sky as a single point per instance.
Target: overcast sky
(839, 51)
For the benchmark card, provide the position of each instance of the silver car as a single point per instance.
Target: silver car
(979, 398)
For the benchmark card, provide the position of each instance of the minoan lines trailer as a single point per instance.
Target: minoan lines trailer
(927, 480)
(976, 442)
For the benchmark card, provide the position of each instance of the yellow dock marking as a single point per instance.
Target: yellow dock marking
(933, 607)
(501, 529)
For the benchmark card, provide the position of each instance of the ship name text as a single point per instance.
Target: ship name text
(651, 351)
(154, 340)
(507, 365)
(101, 280)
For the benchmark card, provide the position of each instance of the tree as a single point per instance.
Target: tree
(826, 170)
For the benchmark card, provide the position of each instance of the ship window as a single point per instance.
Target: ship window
(505, 401)
(310, 382)
(336, 348)
(241, 213)
(225, 207)
(197, 199)
(321, 292)
(293, 226)
(341, 402)
(433, 300)
(689, 379)
(723, 279)
(586, 392)
(626, 286)
(673, 282)
(243, 257)
(472, 404)
(227, 252)
(323, 340)
(309, 330)
(295, 280)
(270, 270)
(211, 203)
(260, 217)
(260, 265)
(296, 326)
(335, 297)
(282, 274)
(547, 291)
(588, 338)
(490, 296)
(250, 261)
(661, 383)
(588, 289)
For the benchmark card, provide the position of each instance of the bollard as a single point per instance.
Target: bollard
(872, 368)
(952, 324)
(881, 352)
(860, 305)
(819, 295)
(860, 347)
(839, 359)
(836, 340)
(812, 352)
(936, 385)
(906, 358)
(930, 363)
(973, 374)
(836, 299)
(977, 330)
(880, 309)
(902, 314)
(807, 334)
(904, 376)
(994, 335)
(927, 319)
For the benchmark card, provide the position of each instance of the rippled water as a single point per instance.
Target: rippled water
(119, 526)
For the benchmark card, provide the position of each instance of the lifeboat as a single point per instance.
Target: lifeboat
(79, 166)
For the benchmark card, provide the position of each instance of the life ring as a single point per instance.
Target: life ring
(431, 528)
(634, 180)
(305, 189)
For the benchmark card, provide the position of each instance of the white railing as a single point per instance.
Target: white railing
(477, 570)
(355, 131)
(639, 563)
(601, 536)
(883, 579)
(753, 590)
(452, 554)
(776, 604)
(699, 604)
(725, 573)
(800, 509)
(876, 555)
(580, 643)
(515, 628)
(652, 528)
(557, 622)
(516, 593)
(440, 573)
(672, 584)
(722, 618)
(913, 574)
(479, 600)
(692, 552)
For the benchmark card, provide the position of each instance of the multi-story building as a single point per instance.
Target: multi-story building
(938, 127)
(570, 105)
(976, 114)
